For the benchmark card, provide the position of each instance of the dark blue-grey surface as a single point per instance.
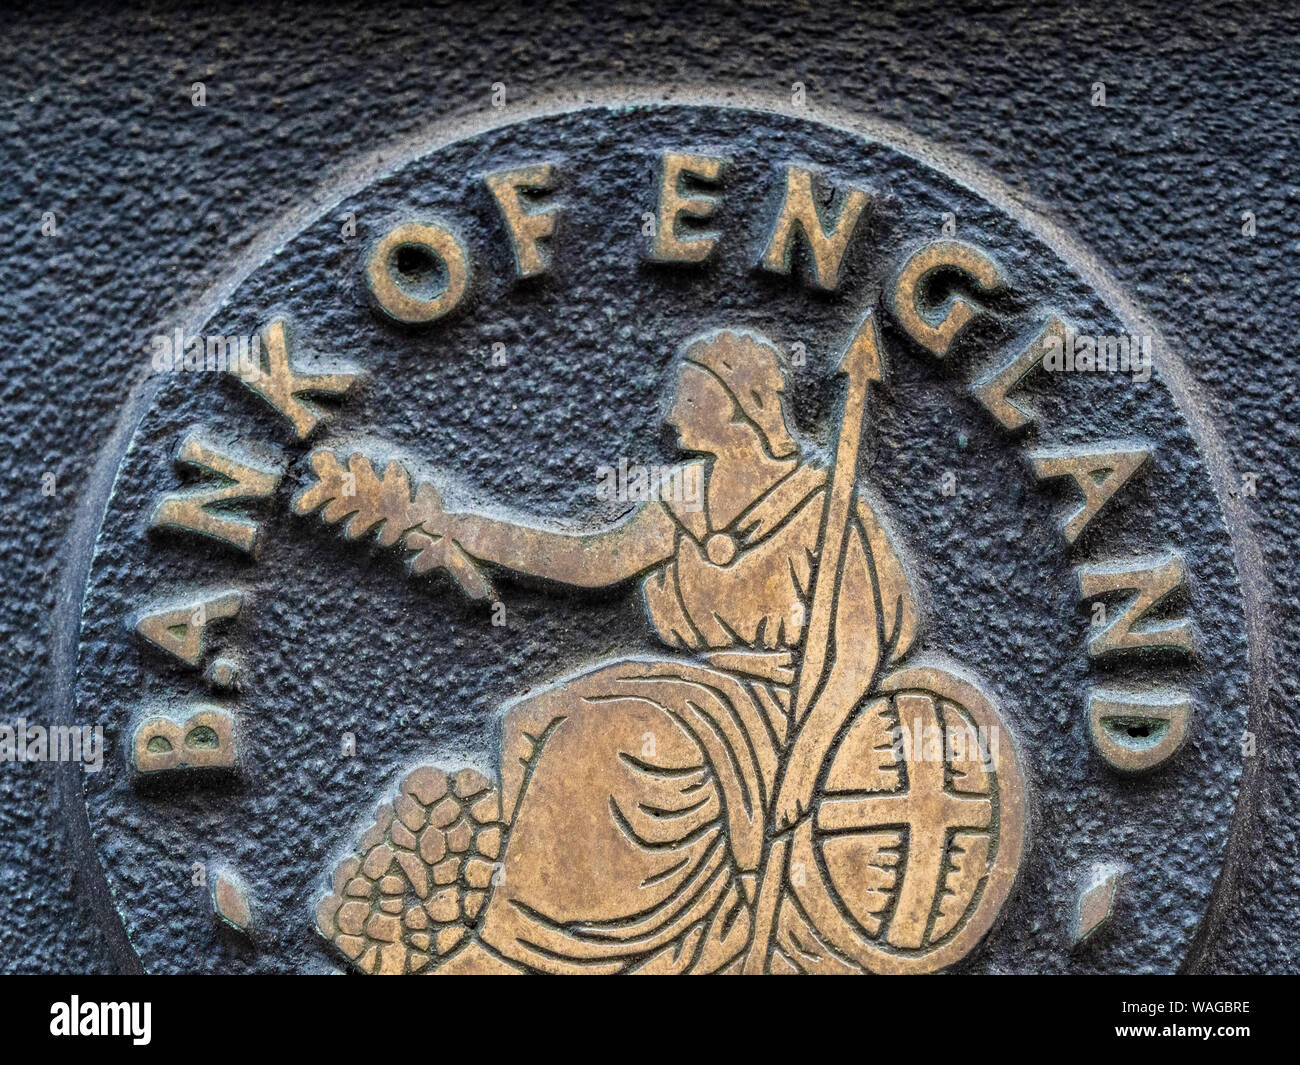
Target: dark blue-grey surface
(156, 200)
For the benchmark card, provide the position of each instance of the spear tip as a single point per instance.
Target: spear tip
(862, 360)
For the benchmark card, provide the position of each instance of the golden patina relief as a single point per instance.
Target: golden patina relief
(753, 720)
(780, 788)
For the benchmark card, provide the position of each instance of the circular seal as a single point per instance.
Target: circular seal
(663, 536)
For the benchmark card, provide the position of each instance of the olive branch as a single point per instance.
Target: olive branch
(401, 510)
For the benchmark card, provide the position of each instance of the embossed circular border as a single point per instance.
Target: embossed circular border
(76, 550)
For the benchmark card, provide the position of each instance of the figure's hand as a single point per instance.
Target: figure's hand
(443, 552)
(436, 544)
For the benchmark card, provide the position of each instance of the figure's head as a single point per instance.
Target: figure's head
(729, 388)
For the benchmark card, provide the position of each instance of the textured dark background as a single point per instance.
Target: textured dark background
(338, 639)
(157, 199)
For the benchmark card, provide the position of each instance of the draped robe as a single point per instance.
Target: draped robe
(639, 792)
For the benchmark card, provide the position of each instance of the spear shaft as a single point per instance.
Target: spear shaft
(861, 364)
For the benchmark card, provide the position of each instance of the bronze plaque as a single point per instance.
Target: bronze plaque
(665, 537)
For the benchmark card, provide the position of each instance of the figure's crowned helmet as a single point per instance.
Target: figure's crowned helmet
(749, 367)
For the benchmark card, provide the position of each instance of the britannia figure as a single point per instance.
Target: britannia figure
(750, 794)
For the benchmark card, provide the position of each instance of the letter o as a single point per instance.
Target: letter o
(403, 300)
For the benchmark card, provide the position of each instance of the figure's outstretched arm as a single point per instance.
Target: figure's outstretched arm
(353, 493)
(593, 559)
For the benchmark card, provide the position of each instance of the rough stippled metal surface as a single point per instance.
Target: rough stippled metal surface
(338, 640)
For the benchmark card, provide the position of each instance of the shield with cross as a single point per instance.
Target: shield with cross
(905, 868)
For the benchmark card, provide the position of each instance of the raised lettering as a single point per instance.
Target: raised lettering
(188, 510)
(668, 246)
(181, 630)
(992, 388)
(527, 227)
(799, 215)
(1136, 731)
(280, 384)
(1099, 475)
(936, 330)
(1152, 581)
(418, 272)
(203, 739)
